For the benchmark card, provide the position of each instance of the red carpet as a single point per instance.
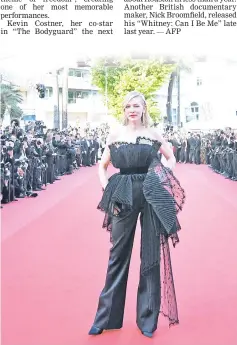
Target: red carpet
(54, 259)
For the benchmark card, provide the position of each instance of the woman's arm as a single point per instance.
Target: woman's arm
(104, 162)
(166, 150)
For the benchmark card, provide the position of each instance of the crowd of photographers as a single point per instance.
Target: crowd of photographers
(217, 149)
(33, 157)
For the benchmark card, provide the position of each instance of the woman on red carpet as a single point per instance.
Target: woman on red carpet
(142, 187)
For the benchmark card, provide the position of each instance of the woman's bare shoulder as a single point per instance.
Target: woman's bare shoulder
(115, 133)
(155, 134)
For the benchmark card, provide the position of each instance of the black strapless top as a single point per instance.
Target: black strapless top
(134, 155)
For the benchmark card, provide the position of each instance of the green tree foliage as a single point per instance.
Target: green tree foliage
(10, 98)
(145, 76)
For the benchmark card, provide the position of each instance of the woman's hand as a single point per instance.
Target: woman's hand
(171, 162)
(103, 187)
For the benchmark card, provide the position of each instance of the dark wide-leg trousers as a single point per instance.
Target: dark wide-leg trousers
(110, 311)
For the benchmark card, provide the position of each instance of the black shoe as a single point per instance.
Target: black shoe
(147, 334)
(32, 195)
(95, 330)
(21, 196)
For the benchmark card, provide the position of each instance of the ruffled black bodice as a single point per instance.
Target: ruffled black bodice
(160, 187)
(134, 155)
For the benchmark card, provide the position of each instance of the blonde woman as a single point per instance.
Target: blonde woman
(142, 187)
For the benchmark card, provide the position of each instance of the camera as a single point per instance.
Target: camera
(6, 170)
(41, 90)
(15, 123)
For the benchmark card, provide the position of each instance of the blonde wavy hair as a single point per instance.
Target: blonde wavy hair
(146, 120)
